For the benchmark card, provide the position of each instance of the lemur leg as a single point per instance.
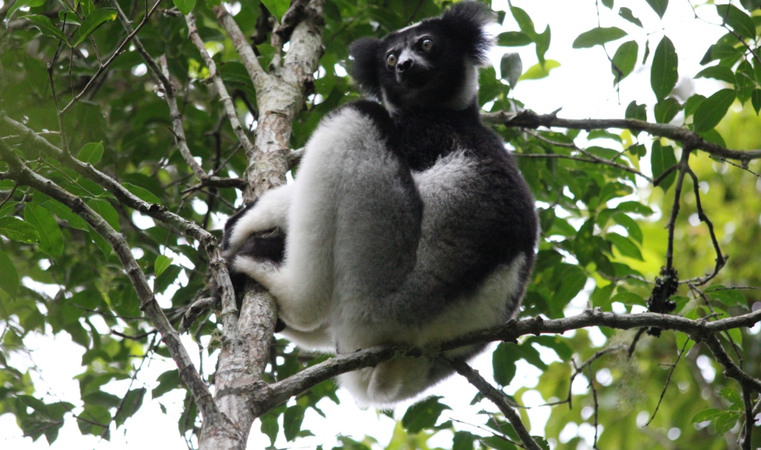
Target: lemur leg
(353, 210)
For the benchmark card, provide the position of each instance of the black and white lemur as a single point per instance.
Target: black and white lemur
(408, 221)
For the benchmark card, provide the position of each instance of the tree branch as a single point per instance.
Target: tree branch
(242, 46)
(689, 139)
(698, 330)
(498, 398)
(227, 101)
(217, 263)
(148, 303)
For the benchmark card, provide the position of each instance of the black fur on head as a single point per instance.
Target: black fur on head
(406, 72)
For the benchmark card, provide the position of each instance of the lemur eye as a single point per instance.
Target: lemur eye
(426, 45)
(391, 59)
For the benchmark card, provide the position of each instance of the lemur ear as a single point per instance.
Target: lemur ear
(467, 21)
(364, 69)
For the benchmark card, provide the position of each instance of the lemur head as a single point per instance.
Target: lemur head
(430, 64)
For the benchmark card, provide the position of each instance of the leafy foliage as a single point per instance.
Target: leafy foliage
(602, 223)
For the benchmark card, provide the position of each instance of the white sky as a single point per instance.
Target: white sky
(582, 86)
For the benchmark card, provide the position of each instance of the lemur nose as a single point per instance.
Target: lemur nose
(402, 66)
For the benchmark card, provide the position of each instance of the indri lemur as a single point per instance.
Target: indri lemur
(408, 221)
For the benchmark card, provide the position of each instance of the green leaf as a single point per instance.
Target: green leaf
(9, 282)
(64, 213)
(750, 5)
(51, 238)
(726, 421)
(463, 441)
(556, 343)
(661, 159)
(142, 194)
(503, 363)
(277, 7)
(683, 340)
(757, 69)
(713, 136)
(601, 296)
(665, 110)
(132, 403)
(740, 22)
(730, 297)
(524, 20)
(496, 443)
(659, 6)
(168, 381)
(292, 420)
(47, 28)
(106, 211)
(664, 73)
(270, 427)
(625, 246)
(726, 53)
(624, 60)
(161, 264)
(608, 3)
(542, 44)
(718, 72)
(571, 280)
(20, 4)
(626, 13)
(91, 23)
(628, 298)
(692, 103)
(513, 39)
(755, 100)
(634, 207)
(635, 111)
(91, 153)
(598, 36)
(745, 81)
(537, 71)
(423, 415)
(734, 397)
(186, 6)
(706, 414)
(511, 68)
(18, 230)
(712, 110)
(100, 241)
(631, 226)
(162, 282)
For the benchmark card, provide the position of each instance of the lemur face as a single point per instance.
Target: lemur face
(423, 68)
(431, 64)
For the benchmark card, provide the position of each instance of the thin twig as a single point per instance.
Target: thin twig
(720, 259)
(227, 102)
(177, 128)
(668, 381)
(498, 398)
(108, 62)
(683, 167)
(592, 158)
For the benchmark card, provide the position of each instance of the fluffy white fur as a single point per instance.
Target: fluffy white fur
(322, 300)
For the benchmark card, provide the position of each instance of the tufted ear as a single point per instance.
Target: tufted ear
(365, 68)
(467, 21)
